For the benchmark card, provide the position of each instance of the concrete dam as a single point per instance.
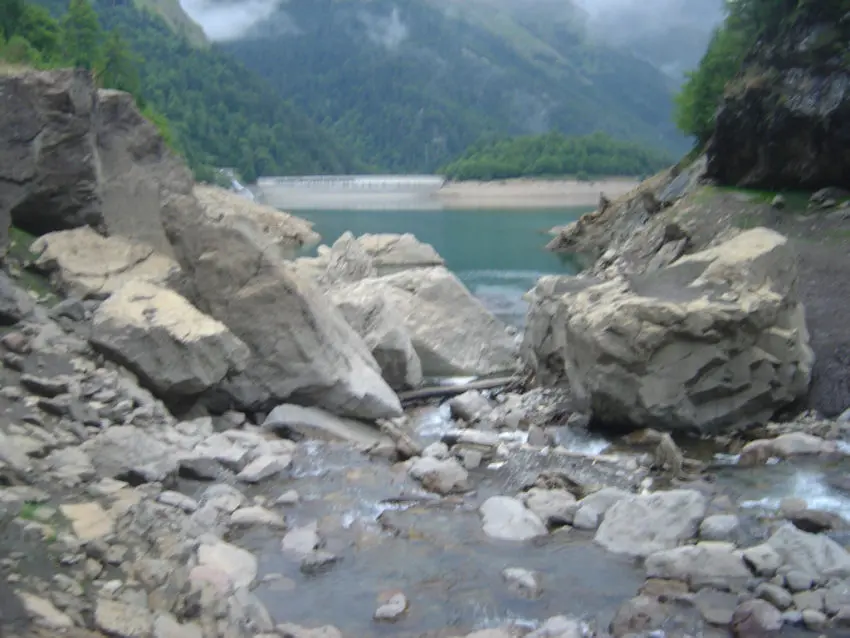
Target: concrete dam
(351, 191)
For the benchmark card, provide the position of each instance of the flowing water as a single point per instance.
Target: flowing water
(498, 254)
(435, 551)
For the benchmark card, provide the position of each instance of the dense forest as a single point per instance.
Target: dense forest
(555, 154)
(219, 114)
(410, 86)
(747, 22)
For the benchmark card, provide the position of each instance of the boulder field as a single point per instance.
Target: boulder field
(201, 436)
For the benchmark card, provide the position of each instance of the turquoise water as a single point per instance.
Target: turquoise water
(498, 254)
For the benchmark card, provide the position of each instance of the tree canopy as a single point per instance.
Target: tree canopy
(555, 154)
(207, 105)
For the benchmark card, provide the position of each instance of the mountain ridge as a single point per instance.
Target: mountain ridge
(411, 86)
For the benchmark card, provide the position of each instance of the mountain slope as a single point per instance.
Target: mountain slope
(221, 113)
(409, 86)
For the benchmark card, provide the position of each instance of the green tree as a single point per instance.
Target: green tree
(40, 30)
(81, 35)
(116, 67)
(11, 12)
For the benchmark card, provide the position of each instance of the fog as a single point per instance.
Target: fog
(225, 20)
(671, 34)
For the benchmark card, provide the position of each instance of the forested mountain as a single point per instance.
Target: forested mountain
(408, 86)
(555, 154)
(220, 113)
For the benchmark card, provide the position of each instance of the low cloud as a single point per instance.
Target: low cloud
(224, 20)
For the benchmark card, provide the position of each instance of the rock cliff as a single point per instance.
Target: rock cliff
(784, 122)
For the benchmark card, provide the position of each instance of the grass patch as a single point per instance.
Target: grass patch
(796, 201)
(20, 254)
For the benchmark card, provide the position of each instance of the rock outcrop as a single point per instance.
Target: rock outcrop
(287, 232)
(48, 164)
(451, 331)
(715, 341)
(67, 256)
(157, 334)
(783, 122)
(303, 351)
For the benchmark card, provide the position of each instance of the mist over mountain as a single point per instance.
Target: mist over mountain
(671, 34)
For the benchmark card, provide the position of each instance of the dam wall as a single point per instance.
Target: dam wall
(350, 191)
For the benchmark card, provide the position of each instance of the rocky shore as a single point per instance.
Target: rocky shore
(202, 434)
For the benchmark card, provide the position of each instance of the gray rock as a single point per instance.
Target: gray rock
(707, 564)
(302, 541)
(641, 525)
(554, 507)
(166, 626)
(393, 609)
(809, 600)
(797, 580)
(264, 467)
(591, 509)
(66, 256)
(521, 581)
(649, 350)
(452, 332)
(506, 518)
(178, 500)
(199, 469)
(174, 348)
(239, 565)
(814, 620)
(295, 421)
(720, 527)
(256, 515)
(777, 596)
(383, 331)
(302, 348)
(122, 620)
(440, 476)
(558, 627)
(126, 450)
(470, 406)
(51, 185)
(762, 559)
(812, 554)
(756, 619)
(837, 596)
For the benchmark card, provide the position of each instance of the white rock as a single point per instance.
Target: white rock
(642, 524)
(44, 613)
(178, 500)
(815, 555)
(302, 541)
(440, 476)
(256, 516)
(264, 467)
(117, 618)
(239, 565)
(506, 518)
(393, 609)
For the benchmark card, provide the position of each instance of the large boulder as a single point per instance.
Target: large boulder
(287, 232)
(138, 173)
(175, 349)
(303, 351)
(641, 525)
(784, 122)
(84, 264)
(452, 332)
(48, 164)
(392, 253)
(383, 330)
(715, 341)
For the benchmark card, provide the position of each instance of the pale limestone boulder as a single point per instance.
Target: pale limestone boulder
(84, 264)
(392, 253)
(451, 331)
(715, 341)
(640, 525)
(287, 232)
(302, 349)
(383, 330)
(173, 347)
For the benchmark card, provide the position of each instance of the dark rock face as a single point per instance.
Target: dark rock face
(48, 164)
(785, 120)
